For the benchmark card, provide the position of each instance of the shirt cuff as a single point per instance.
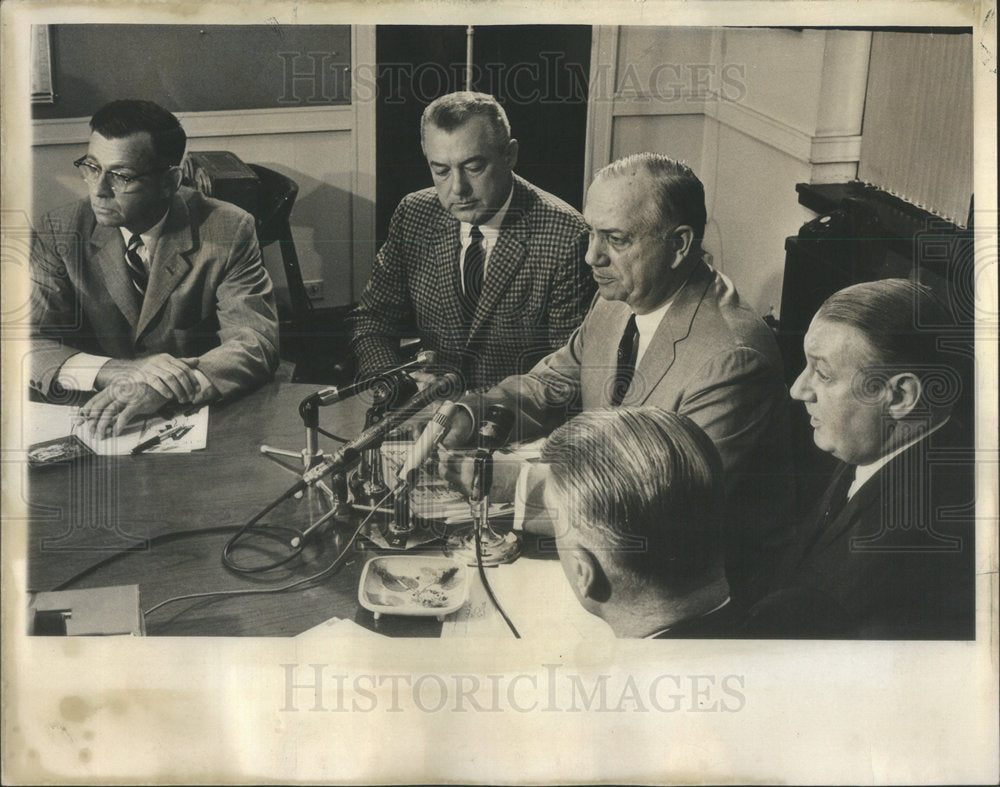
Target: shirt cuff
(206, 391)
(521, 496)
(79, 372)
(467, 438)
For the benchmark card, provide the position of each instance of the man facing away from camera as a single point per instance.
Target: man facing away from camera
(636, 495)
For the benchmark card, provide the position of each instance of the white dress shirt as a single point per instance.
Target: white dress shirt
(862, 473)
(491, 233)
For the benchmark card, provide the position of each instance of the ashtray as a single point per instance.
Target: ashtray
(413, 585)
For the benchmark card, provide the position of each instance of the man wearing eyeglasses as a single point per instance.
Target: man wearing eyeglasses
(147, 292)
(670, 331)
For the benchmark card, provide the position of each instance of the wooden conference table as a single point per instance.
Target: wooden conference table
(140, 511)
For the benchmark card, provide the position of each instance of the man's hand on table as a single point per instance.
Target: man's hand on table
(172, 378)
(131, 389)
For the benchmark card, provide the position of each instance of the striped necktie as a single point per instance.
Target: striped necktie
(136, 267)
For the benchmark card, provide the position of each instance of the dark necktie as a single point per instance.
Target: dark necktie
(628, 348)
(838, 494)
(472, 273)
(136, 267)
(833, 503)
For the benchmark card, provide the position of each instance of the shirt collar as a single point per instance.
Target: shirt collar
(647, 323)
(665, 629)
(862, 473)
(150, 236)
(491, 227)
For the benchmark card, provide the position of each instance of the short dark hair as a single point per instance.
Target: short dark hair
(645, 484)
(680, 196)
(899, 318)
(455, 109)
(132, 116)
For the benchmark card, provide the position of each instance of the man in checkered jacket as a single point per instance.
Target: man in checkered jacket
(485, 268)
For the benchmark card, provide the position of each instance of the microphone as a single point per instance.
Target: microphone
(429, 438)
(494, 431)
(374, 435)
(335, 393)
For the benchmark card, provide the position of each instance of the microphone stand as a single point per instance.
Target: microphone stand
(480, 544)
(396, 528)
(352, 452)
(368, 485)
(312, 455)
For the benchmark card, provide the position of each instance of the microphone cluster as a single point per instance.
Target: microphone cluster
(372, 437)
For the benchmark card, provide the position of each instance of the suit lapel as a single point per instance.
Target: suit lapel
(169, 264)
(862, 499)
(673, 328)
(444, 245)
(505, 260)
(108, 255)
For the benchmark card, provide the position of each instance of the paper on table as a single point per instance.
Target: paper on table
(50, 421)
(537, 598)
(338, 627)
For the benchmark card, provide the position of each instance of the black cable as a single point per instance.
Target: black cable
(162, 538)
(332, 436)
(482, 576)
(230, 564)
(284, 588)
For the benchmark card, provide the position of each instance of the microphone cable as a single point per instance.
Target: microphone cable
(486, 582)
(283, 588)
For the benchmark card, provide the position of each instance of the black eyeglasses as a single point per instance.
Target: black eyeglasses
(119, 181)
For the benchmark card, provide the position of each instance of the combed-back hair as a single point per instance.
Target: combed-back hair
(899, 318)
(450, 111)
(680, 196)
(644, 486)
(132, 116)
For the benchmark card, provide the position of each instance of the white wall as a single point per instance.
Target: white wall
(753, 112)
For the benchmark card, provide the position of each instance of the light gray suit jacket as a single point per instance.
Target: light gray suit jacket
(208, 295)
(712, 359)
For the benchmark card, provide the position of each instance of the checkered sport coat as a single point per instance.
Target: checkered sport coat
(536, 291)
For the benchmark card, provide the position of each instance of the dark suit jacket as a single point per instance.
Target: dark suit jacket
(898, 558)
(536, 291)
(724, 623)
(208, 295)
(712, 359)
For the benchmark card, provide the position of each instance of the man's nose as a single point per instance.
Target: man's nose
(595, 256)
(461, 185)
(102, 186)
(800, 389)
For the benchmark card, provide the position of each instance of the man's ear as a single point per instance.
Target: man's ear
(172, 180)
(581, 570)
(904, 392)
(510, 154)
(683, 239)
(587, 575)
